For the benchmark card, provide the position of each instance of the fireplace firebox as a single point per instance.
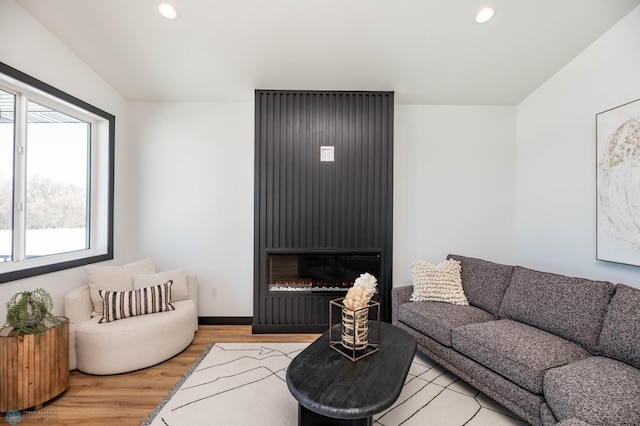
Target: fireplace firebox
(297, 286)
(328, 273)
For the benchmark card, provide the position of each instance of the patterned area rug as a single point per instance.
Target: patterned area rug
(245, 384)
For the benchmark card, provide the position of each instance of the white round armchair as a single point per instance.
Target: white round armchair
(141, 329)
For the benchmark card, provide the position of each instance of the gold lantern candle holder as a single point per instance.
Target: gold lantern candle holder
(352, 337)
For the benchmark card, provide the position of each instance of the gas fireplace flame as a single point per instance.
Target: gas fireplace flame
(304, 285)
(313, 284)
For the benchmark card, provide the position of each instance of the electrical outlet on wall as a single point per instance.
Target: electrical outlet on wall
(214, 291)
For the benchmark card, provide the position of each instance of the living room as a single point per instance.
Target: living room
(509, 181)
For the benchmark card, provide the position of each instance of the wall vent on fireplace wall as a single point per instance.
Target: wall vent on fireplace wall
(323, 203)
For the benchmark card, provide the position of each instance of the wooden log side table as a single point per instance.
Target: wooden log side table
(333, 390)
(33, 369)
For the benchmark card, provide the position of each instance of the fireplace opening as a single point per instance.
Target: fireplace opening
(319, 272)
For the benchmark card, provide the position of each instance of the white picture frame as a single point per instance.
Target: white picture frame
(618, 184)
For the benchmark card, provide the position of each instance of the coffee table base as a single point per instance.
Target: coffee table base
(307, 417)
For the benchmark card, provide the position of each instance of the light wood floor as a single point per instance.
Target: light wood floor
(127, 399)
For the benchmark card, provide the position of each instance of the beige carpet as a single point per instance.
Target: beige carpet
(245, 384)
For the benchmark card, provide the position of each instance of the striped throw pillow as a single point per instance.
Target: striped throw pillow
(148, 300)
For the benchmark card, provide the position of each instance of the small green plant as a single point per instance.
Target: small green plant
(29, 312)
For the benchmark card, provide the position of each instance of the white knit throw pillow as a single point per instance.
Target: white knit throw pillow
(438, 283)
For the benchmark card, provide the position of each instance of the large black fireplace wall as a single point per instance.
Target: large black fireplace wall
(323, 185)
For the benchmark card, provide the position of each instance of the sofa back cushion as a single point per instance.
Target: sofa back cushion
(179, 289)
(620, 337)
(114, 278)
(484, 282)
(573, 308)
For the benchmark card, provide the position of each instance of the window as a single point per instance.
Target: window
(56, 179)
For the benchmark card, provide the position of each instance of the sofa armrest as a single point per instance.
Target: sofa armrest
(78, 308)
(192, 286)
(399, 296)
(77, 305)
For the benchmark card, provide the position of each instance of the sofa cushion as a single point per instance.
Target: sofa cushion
(572, 422)
(515, 350)
(620, 337)
(124, 304)
(484, 282)
(437, 319)
(572, 308)
(598, 390)
(179, 290)
(114, 278)
(546, 416)
(437, 283)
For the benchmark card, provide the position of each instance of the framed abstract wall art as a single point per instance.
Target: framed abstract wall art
(618, 184)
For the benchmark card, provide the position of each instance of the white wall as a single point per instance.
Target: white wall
(556, 156)
(192, 190)
(454, 184)
(27, 46)
(192, 195)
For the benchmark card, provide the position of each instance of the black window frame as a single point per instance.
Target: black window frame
(65, 97)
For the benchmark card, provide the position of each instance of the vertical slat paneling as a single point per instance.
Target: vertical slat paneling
(295, 174)
(302, 203)
(259, 221)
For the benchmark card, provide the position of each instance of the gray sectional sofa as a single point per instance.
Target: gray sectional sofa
(553, 349)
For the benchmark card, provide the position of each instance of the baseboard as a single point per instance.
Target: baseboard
(225, 320)
(264, 329)
(287, 329)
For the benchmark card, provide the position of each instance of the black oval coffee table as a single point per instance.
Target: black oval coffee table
(333, 390)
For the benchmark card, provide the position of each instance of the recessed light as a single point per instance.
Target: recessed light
(484, 15)
(167, 10)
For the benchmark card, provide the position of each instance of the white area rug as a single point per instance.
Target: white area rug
(245, 384)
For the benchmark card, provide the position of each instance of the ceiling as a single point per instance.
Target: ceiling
(427, 51)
